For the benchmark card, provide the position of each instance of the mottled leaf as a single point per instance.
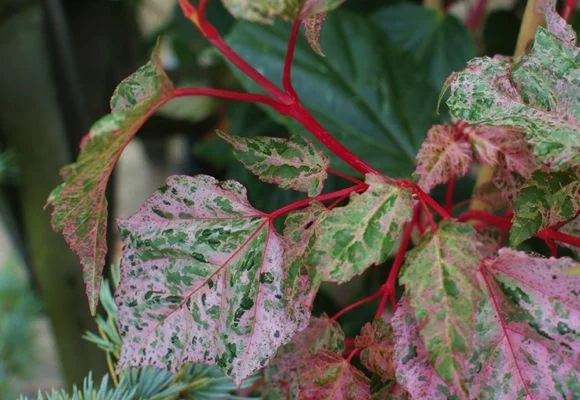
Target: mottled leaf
(572, 228)
(312, 29)
(545, 200)
(80, 206)
(437, 39)
(283, 371)
(442, 156)
(538, 94)
(202, 280)
(440, 282)
(289, 163)
(376, 340)
(413, 368)
(502, 147)
(328, 376)
(387, 391)
(315, 7)
(527, 338)
(264, 11)
(352, 238)
(303, 280)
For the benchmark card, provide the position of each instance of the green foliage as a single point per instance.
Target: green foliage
(8, 170)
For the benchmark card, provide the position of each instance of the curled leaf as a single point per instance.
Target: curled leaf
(79, 204)
(376, 340)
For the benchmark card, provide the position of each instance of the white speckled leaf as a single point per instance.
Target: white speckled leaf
(263, 11)
(545, 200)
(527, 338)
(328, 376)
(537, 94)
(202, 280)
(352, 238)
(289, 163)
(413, 369)
(79, 204)
(441, 157)
(440, 283)
(284, 370)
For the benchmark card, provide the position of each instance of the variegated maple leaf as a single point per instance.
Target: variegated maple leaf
(414, 371)
(283, 371)
(537, 94)
(501, 147)
(79, 204)
(545, 200)
(376, 340)
(202, 280)
(527, 338)
(350, 239)
(289, 163)
(440, 283)
(442, 156)
(572, 228)
(328, 376)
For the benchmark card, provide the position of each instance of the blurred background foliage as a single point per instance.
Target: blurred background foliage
(376, 89)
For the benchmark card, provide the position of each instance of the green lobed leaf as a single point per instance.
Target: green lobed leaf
(527, 337)
(328, 376)
(202, 281)
(282, 373)
(364, 92)
(79, 204)
(289, 163)
(545, 200)
(440, 282)
(352, 238)
(435, 38)
(538, 94)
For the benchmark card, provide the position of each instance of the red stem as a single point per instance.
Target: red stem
(225, 94)
(552, 234)
(345, 176)
(352, 354)
(568, 9)
(337, 201)
(429, 216)
(357, 304)
(304, 202)
(502, 222)
(287, 77)
(476, 15)
(389, 286)
(449, 194)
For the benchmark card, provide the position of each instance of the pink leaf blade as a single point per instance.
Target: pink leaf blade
(527, 337)
(376, 340)
(413, 369)
(328, 376)
(79, 204)
(202, 281)
(441, 157)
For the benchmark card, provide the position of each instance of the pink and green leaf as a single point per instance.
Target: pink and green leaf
(376, 340)
(537, 94)
(352, 238)
(441, 285)
(202, 280)
(414, 371)
(545, 200)
(526, 343)
(283, 371)
(328, 376)
(441, 157)
(289, 163)
(79, 204)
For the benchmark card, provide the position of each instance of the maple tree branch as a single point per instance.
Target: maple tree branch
(502, 222)
(568, 9)
(357, 304)
(552, 234)
(389, 286)
(304, 202)
(287, 76)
